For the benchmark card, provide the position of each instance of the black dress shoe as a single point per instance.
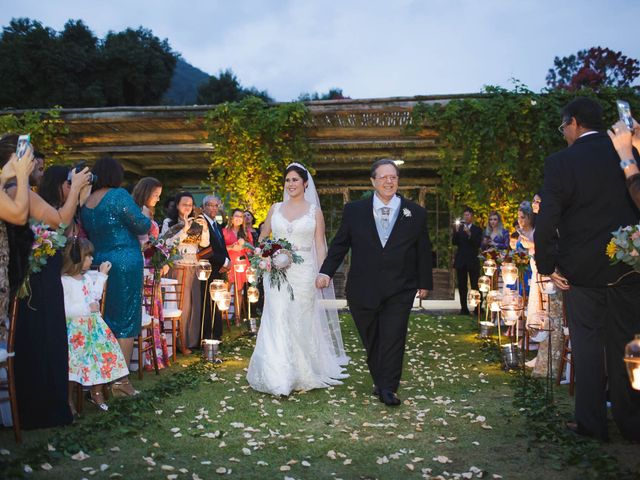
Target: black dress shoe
(376, 391)
(573, 427)
(389, 398)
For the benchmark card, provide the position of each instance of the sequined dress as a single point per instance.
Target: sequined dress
(292, 351)
(113, 226)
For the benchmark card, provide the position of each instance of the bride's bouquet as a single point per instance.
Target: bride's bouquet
(274, 257)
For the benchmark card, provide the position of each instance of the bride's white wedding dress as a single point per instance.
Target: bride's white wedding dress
(294, 348)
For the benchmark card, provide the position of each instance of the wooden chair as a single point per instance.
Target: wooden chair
(566, 357)
(173, 293)
(146, 338)
(9, 385)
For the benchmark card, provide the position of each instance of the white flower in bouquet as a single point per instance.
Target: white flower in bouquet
(282, 259)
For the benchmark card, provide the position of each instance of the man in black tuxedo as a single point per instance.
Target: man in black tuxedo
(585, 199)
(390, 262)
(219, 259)
(467, 237)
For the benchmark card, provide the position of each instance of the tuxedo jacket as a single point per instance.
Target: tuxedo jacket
(376, 272)
(585, 198)
(468, 248)
(220, 254)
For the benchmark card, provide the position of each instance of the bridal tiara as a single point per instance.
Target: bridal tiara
(296, 164)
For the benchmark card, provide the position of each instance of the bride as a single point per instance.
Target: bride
(299, 344)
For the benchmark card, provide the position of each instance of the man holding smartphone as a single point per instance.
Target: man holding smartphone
(467, 237)
(585, 199)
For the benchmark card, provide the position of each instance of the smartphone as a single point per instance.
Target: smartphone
(624, 110)
(23, 144)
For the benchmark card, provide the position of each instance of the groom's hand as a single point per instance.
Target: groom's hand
(322, 281)
(422, 293)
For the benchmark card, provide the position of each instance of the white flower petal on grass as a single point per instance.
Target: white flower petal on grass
(221, 470)
(194, 476)
(46, 466)
(347, 462)
(172, 476)
(80, 456)
(304, 463)
(331, 454)
(50, 448)
(104, 467)
(441, 459)
(285, 468)
(262, 463)
(175, 429)
(246, 451)
(114, 449)
(183, 470)
(168, 468)
(28, 469)
(409, 466)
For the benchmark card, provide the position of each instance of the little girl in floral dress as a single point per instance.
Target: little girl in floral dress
(95, 358)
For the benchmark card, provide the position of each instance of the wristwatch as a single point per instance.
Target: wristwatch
(627, 163)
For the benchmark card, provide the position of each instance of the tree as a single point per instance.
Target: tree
(43, 68)
(137, 67)
(226, 88)
(593, 68)
(332, 94)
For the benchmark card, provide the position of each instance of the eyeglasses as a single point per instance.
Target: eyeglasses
(212, 205)
(391, 178)
(563, 125)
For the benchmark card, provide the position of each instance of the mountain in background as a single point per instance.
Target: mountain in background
(183, 89)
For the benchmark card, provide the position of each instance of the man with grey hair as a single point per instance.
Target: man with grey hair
(219, 259)
(390, 263)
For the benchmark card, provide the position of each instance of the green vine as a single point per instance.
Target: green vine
(47, 130)
(253, 143)
(492, 147)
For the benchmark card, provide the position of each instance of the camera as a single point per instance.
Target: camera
(78, 168)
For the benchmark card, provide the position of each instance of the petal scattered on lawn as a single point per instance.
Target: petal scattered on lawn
(80, 456)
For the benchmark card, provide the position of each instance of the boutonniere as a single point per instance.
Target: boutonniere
(406, 213)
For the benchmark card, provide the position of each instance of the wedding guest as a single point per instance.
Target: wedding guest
(14, 211)
(113, 222)
(146, 193)
(41, 362)
(190, 239)
(584, 199)
(219, 259)
(249, 222)
(495, 235)
(467, 237)
(95, 358)
(235, 236)
(624, 141)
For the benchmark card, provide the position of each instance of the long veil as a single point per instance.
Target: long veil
(326, 311)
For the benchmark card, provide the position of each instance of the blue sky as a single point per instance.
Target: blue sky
(370, 48)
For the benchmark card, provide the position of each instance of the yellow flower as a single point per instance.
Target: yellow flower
(611, 249)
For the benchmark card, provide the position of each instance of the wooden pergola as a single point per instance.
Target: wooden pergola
(347, 136)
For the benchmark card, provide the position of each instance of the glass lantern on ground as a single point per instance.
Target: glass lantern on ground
(511, 307)
(509, 273)
(251, 275)
(253, 295)
(216, 288)
(224, 301)
(489, 266)
(493, 300)
(632, 360)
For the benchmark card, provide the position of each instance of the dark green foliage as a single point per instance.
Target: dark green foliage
(43, 68)
(226, 88)
(332, 94)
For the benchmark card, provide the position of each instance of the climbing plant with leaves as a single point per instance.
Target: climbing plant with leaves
(47, 130)
(492, 147)
(253, 142)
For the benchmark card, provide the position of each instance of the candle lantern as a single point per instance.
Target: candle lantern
(251, 275)
(210, 349)
(548, 287)
(473, 298)
(486, 329)
(489, 267)
(203, 270)
(632, 360)
(484, 284)
(509, 273)
(240, 267)
(253, 294)
(511, 307)
(224, 300)
(216, 287)
(493, 300)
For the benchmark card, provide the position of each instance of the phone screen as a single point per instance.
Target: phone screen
(624, 110)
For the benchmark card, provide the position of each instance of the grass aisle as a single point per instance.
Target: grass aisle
(197, 421)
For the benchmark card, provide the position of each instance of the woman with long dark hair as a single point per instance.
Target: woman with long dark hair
(235, 236)
(193, 236)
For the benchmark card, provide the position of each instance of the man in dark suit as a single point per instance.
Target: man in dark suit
(467, 237)
(584, 200)
(390, 262)
(219, 259)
